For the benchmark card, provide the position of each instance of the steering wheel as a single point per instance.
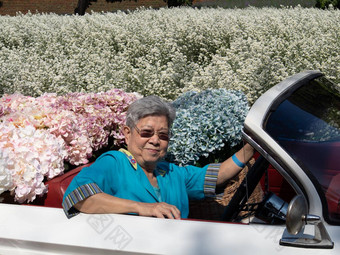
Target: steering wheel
(246, 188)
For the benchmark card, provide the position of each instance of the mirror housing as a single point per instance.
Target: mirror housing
(297, 209)
(296, 220)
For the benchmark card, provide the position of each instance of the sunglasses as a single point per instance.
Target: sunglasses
(147, 133)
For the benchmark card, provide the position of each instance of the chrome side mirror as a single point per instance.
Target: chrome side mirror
(296, 220)
(297, 210)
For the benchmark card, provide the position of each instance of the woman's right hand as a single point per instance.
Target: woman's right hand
(159, 210)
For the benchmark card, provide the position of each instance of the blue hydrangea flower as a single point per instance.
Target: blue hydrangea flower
(206, 122)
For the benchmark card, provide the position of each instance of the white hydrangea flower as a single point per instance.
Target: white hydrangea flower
(6, 182)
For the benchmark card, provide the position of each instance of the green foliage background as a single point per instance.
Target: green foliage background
(323, 4)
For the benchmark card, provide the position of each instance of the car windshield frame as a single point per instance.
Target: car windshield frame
(308, 120)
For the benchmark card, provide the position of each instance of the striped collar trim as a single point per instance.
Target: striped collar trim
(130, 158)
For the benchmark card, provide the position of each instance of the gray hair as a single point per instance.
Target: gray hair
(148, 106)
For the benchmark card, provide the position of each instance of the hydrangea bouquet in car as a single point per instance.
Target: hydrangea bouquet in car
(208, 125)
(38, 135)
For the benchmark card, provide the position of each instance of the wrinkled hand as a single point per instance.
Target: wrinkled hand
(159, 210)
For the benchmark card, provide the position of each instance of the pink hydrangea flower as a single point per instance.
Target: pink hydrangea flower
(38, 134)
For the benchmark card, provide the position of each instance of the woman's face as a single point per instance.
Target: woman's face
(148, 150)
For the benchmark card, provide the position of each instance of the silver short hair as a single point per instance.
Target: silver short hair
(148, 106)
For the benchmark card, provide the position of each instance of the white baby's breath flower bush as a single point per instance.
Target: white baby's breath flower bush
(168, 51)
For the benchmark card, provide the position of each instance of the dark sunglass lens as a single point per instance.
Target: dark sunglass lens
(146, 133)
(163, 136)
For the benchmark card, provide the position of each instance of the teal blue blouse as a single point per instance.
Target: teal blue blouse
(117, 173)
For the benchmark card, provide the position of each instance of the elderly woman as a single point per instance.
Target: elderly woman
(137, 181)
